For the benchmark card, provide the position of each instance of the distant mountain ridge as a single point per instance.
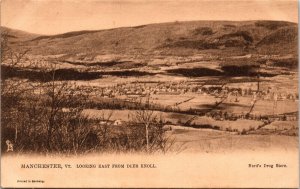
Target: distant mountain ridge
(267, 37)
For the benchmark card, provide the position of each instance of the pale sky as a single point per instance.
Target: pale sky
(59, 16)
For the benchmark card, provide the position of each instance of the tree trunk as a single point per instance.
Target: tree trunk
(258, 76)
(147, 137)
(49, 134)
(16, 133)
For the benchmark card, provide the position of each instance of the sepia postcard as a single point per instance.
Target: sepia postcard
(149, 94)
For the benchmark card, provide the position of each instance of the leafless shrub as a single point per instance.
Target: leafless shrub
(148, 130)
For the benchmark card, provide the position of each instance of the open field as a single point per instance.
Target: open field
(210, 141)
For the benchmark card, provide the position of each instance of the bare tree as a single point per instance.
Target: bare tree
(154, 133)
(12, 90)
(104, 128)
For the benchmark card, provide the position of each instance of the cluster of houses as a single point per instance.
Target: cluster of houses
(262, 94)
(176, 88)
(143, 89)
(183, 87)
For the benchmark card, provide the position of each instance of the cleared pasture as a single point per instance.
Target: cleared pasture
(210, 141)
(239, 125)
(177, 118)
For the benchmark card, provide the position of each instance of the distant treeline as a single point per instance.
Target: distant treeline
(45, 76)
(196, 72)
(228, 70)
(118, 104)
(62, 74)
(116, 64)
(287, 63)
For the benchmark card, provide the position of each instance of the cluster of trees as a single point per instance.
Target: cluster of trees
(46, 116)
(240, 68)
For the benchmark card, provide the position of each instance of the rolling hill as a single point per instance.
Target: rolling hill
(225, 37)
(16, 36)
